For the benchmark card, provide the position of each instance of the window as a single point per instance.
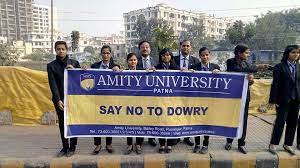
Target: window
(128, 27)
(165, 14)
(133, 18)
(118, 47)
(172, 15)
(178, 16)
(179, 24)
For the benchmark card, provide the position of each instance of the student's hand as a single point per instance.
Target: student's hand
(272, 106)
(152, 68)
(184, 69)
(251, 79)
(84, 67)
(116, 68)
(60, 105)
(215, 71)
(69, 66)
(192, 70)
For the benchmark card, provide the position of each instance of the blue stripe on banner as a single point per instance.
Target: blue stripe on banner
(150, 131)
(142, 83)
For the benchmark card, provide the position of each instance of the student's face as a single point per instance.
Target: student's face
(294, 55)
(132, 62)
(244, 55)
(185, 48)
(145, 49)
(105, 54)
(166, 58)
(61, 51)
(204, 56)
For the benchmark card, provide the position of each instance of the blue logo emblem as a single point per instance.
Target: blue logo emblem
(87, 81)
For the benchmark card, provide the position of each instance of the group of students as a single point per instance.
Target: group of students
(285, 101)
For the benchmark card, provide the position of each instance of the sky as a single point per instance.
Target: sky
(103, 18)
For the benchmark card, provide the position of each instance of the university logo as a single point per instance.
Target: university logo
(87, 81)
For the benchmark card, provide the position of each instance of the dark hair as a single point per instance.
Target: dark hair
(130, 55)
(105, 46)
(287, 51)
(144, 41)
(163, 52)
(240, 48)
(185, 40)
(203, 49)
(60, 43)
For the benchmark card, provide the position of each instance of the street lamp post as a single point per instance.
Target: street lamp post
(52, 49)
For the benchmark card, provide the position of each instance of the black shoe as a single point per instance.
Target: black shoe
(62, 152)
(161, 149)
(197, 149)
(188, 141)
(152, 141)
(138, 149)
(71, 152)
(168, 149)
(242, 149)
(204, 150)
(109, 148)
(129, 149)
(228, 146)
(97, 150)
(289, 149)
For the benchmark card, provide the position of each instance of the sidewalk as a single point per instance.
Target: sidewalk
(37, 147)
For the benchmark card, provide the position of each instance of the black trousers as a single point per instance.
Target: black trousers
(65, 141)
(139, 141)
(205, 141)
(241, 141)
(298, 132)
(162, 141)
(97, 140)
(285, 113)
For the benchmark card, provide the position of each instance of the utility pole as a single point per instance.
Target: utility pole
(52, 49)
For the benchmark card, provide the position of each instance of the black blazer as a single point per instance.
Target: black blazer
(192, 61)
(212, 66)
(98, 64)
(55, 71)
(172, 66)
(140, 63)
(283, 83)
(233, 66)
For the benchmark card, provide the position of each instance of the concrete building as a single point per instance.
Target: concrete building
(41, 32)
(16, 19)
(214, 27)
(23, 48)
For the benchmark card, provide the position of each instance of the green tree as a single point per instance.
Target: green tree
(240, 32)
(195, 33)
(272, 32)
(157, 31)
(163, 37)
(89, 49)
(40, 55)
(75, 40)
(8, 55)
(292, 19)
